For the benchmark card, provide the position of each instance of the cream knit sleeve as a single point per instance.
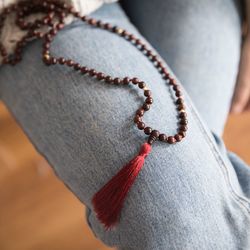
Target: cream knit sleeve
(11, 33)
(84, 6)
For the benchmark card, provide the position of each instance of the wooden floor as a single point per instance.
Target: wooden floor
(36, 210)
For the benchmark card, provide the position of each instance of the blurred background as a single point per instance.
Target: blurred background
(38, 212)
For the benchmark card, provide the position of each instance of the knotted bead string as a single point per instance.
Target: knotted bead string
(54, 20)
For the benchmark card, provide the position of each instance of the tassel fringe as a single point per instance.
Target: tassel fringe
(108, 201)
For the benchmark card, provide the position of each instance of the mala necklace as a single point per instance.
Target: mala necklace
(108, 201)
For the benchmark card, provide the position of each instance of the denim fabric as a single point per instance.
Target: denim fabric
(197, 35)
(190, 195)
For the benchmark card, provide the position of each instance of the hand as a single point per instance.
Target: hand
(241, 98)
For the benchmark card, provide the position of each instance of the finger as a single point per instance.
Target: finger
(241, 97)
(248, 106)
(242, 89)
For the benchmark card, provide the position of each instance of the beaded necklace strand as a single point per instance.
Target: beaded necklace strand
(108, 201)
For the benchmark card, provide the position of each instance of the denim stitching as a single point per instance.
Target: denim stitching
(242, 201)
(87, 216)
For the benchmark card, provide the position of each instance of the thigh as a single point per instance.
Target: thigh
(186, 194)
(201, 42)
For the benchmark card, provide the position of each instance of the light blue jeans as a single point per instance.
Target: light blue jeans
(190, 195)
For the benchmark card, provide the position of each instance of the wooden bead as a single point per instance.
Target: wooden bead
(140, 112)
(178, 137)
(149, 100)
(131, 37)
(146, 106)
(137, 119)
(176, 88)
(163, 137)
(183, 114)
(154, 58)
(100, 76)
(181, 106)
(179, 100)
(138, 41)
(143, 47)
(77, 66)
(178, 93)
(183, 121)
(117, 80)
(53, 32)
(114, 28)
(141, 85)
(155, 133)
(126, 80)
(166, 75)
(159, 64)
(172, 81)
(84, 70)
(149, 53)
(147, 130)
(61, 60)
(69, 63)
(183, 128)
(171, 140)
(124, 33)
(108, 79)
(92, 21)
(182, 134)
(84, 18)
(99, 23)
(92, 72)
(60, 26)
(141, 125)
(151, 139)
(135, 80)
(147, 92)
(107, 26)
(53, 60)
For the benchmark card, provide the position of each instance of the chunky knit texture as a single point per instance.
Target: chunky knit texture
(11, 34)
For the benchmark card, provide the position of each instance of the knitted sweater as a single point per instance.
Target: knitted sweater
(11, 33)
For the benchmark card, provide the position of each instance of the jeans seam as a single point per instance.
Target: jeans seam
(241, 200)
(88, 214)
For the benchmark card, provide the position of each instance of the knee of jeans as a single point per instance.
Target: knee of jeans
(174, 199)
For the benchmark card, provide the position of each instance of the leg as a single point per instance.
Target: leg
(203, 35)
(201, 41)
(186, 194)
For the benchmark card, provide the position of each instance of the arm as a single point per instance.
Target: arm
(241, 98)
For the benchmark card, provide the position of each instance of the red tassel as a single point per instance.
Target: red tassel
(108, 201)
